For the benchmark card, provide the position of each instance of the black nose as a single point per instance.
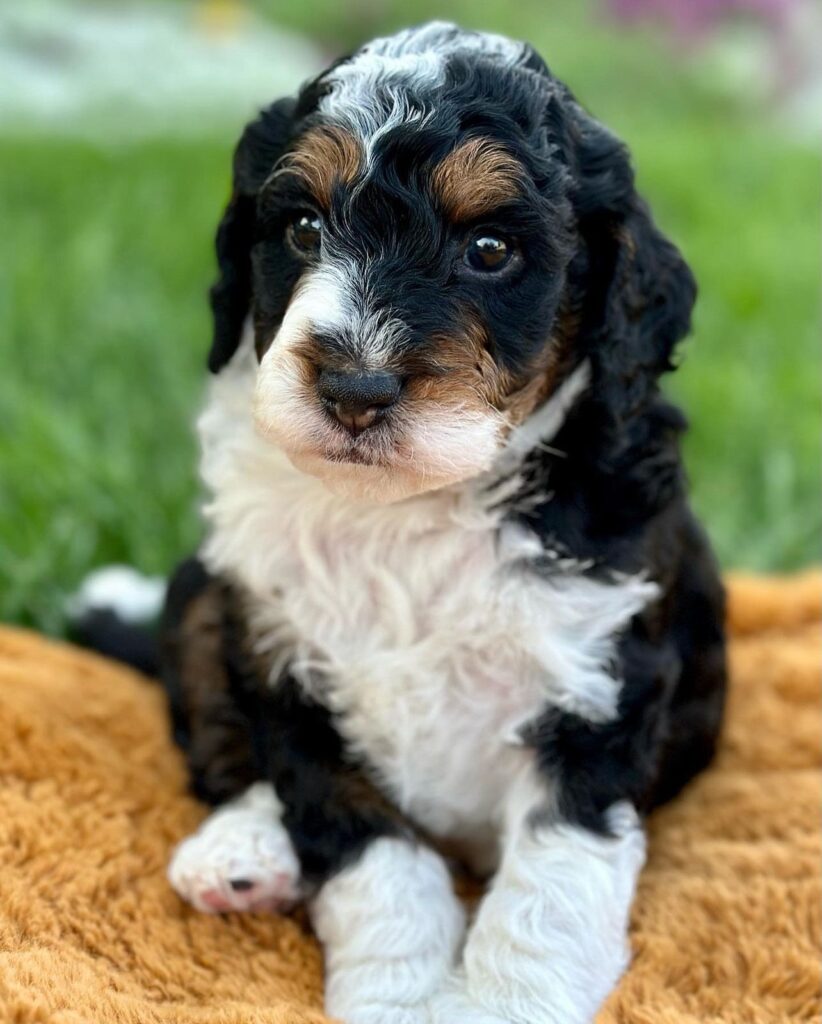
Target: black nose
(358, 399)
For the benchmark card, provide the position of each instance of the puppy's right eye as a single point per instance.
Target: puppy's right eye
(305, 233)
(487, 253)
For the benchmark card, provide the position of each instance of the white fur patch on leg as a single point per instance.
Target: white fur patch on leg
(241, 858)
(391, 927)
(550, 939)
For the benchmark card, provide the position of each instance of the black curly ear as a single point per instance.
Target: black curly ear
(637, 290)
(260, 146)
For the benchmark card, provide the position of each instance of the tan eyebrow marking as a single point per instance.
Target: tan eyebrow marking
(475, 178)
(324, 156)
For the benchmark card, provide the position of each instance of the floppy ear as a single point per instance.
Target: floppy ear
(260, 146)
(637, 292)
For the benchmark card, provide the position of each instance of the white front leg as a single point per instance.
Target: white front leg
(391, 927)
(550, 939)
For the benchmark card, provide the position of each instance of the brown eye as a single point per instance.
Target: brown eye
(487, 253)
(305, 233)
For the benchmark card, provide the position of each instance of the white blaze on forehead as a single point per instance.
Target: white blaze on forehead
(334, 299)
(321, 301)
(375, 90)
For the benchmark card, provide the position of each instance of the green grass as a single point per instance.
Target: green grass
(106, 256)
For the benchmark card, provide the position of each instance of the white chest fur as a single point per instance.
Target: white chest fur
(419, 623)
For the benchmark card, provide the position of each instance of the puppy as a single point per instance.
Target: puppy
(451, 594)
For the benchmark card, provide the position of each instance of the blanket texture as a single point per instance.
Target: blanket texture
(92, 798)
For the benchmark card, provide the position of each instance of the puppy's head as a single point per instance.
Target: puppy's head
(429, 238)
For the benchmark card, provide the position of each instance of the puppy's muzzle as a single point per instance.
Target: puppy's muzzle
(358, 399)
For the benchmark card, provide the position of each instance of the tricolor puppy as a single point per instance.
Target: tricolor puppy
(451, 595)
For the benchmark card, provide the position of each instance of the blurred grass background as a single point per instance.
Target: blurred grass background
(106, 253)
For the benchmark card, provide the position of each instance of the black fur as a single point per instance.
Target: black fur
(671, 702)
(260, 147)
(106, 632)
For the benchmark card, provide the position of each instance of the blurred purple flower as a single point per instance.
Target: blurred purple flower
(696, 17)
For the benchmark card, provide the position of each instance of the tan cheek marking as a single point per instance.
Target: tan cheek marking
(547, 371)
(465, 373)
(461, 374)
(475, 178)
(324, 156)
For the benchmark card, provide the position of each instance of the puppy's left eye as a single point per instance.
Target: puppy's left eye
(488, 253)
(305, 233)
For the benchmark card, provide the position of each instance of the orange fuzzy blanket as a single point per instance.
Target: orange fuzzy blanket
(726, 925)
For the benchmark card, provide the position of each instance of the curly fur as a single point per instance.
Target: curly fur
(490, 618)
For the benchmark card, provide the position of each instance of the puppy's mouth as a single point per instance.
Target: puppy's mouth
(413, 441)
(354, 457)
(382, 445)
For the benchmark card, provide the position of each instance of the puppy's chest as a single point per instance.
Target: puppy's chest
(433, 628)
(433, 644)
(430, 626)
(416, 646)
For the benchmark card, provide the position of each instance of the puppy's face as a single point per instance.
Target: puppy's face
(408, 264)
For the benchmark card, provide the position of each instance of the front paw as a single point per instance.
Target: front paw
(239, 860)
